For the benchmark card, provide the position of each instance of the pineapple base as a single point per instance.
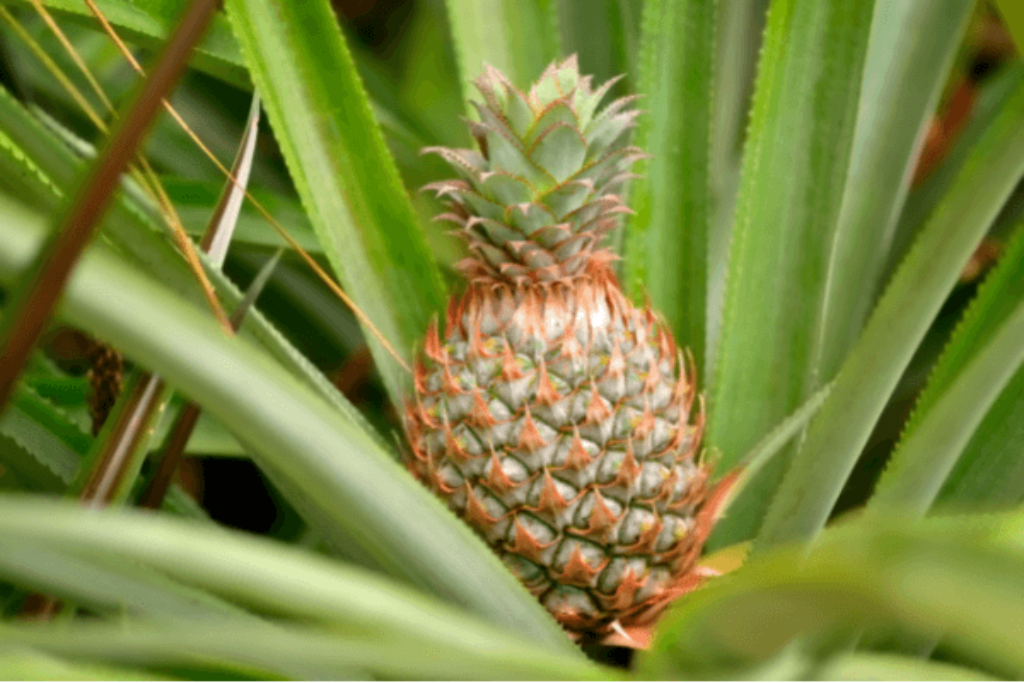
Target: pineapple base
(558, 421)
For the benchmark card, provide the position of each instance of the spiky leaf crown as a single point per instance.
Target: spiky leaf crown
(536, 200)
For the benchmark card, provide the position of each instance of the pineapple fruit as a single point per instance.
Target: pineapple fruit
(554, 416)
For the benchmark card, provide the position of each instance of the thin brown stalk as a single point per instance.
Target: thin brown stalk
(73, 53)
(65, 82)
(35, 300)
(218, 232)
(130, 428)
(59, 255)
(181, 430)
(170, 460)
(54, 69)
(187, 247)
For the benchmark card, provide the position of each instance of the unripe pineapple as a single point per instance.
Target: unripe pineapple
(555, 417)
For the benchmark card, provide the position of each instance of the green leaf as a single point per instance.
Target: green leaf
(913, 46)
(292, 583)
(49, 168)
(24, 664)
(344, 174)
(150, 24)
(194, 200)
(774, 441)
(794, 171)
(320, 653)
(517, 37)
(737, 44)
(336, 473)
(978, 368)
(737, 47)
(107, 585)
(837, 435)
(990, 472)
(605, 35)
(40, 441)
(959, 578)
(1013, 17)
(667, 237)
(876, 666)
(926, 455)
(113, 587)
(925, 197)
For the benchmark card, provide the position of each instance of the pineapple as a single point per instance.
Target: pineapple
(556, 417)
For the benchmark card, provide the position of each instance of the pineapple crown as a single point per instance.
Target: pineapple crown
(538, 197)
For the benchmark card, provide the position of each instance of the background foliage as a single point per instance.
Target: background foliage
(832, 220)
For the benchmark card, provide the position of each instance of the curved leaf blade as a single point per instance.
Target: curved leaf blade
(217, 53)
(335, 471)
(837, 435)
(912, 48)
(794, 171)
(874, 666)
(958, 578)
(343, 172)
(48, 168)
(977, 370)
(924, 198)
(24, 664)
(279, 579)
(320, 654)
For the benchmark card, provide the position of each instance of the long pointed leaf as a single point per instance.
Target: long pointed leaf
(933, 189)
(913, 44)
(335, 471)
(990, 471)
(268, 575)
(217, 53)
(921, 464)
(794, 170)
(107, 586)
(321, 653)
(961, 578)
(345, 176)
(47, 168)
(737, 46)
(667, 238)
(837, 435)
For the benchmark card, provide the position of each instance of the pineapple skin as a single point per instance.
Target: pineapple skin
(555, 417)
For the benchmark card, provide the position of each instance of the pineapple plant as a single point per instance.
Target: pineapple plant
(780, 233)
(554, 416)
